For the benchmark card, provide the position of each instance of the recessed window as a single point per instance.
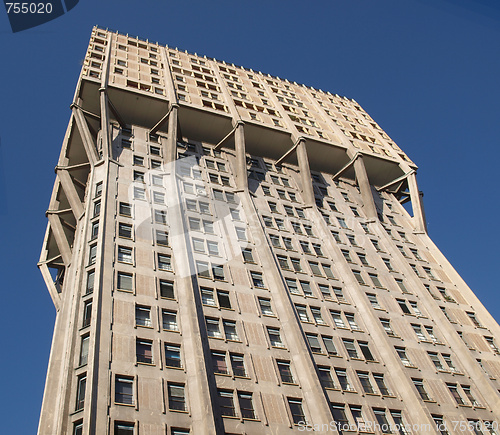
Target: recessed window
(296, 410)
(173, 355)
(124, 230)
(84, 350)
(125, 209)
(169, 320)
(124, 390)
(124, 254)
(144, 351)
(176, 397)
(164, 262)
(143, 316)
(87, 313)
(80, 391)
(166, 289)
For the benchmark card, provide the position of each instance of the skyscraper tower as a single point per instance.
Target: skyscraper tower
(228, 253)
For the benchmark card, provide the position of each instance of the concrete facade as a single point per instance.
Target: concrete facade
(232, 256)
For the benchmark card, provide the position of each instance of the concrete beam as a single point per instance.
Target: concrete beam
(60, 237)
(70, 192)
(87, 139)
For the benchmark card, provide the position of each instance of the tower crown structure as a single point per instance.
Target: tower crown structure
(228, 253)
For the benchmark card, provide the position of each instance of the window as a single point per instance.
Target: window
(316, 313)
(296, 264)
(491, 342)
(285, 372)
(325, 377)
(379, 380)
(247, 255)
(473, 318)
(176, 397)
(352, 321)
(296, 410)
(329, 346)
(80, 391)
(403, 306)
(139, 193)
(359, 278)
(173, 355)
(164, 262)
(78, 427)
(328, 271)
(325, 291)
(84, 350)
(343, 379)
(160, 217)
(169, 320)
(87, 313)
(123, 428)
(92, 254)
(219, 362)
(350, 347)
(339, 294)
(124, 254)
(143, 316)
(223, 299)
(302, 313)
(418, 332)
(257, 279)
(226, 403)
(372, 298)
(166, 289)
(402, 286)
(364, 379)
(124, 230)
(161, 238)
(441, 426)
(265, 306)
(230, 330)
(275, 337)
(98, 189)
(144, 351)
(453, 388)
(238, 365)
(337, 318)
(375, 280)
(315, 268)
(213, 328)
(246, 405)
(401, 351)
(467, 390)
(124, 390)
(381, 418)
(419, 385)
(125, 209)
(241, 234)
(94, 231)
(362, 258)
(90, 281)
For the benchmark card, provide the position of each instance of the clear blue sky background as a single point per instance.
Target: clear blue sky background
(427, 71)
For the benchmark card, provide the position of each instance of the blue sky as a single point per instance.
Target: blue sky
(426, 70)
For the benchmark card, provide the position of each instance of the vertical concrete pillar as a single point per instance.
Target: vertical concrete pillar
(171, 145)
(365, 188)
(105, 130)
(417, 204)
(305, 173)
(241, 159)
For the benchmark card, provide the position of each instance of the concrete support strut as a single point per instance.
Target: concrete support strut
(70, 192)
(87, 139)
(60, 237)
(305, 173)
(365, 188)
(417, 204)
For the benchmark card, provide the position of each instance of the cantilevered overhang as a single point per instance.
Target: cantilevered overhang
(134, 106)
